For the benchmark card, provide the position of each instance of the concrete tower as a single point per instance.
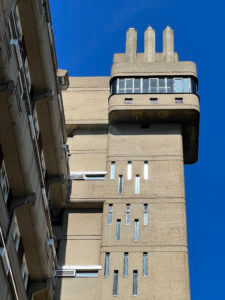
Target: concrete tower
(123, 228)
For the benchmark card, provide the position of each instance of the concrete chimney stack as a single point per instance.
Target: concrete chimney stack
(131, 44)
(149, 52)
(168, 44)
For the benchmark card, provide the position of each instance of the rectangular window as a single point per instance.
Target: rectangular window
(16, 234)
(129, 170)
(128, 100)
(145, 85)
(137, 85)
(178, 100)
(186, 88)
(106, 272)
(178, 85)
(145, 264)
(135, 282)
(110, 212)
(115, 283)
(153, 100)
(145, 214)
(153, 85)
(86, 274)
(4, 183)
(118, 222)
(145, 170)
(127, 219)
(137, 184)
(121, 85)
(113, 168)
(136, 229)
(120, 184)
(125, 265)
(129, 85)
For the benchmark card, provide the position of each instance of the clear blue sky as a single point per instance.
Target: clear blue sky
(88, 33)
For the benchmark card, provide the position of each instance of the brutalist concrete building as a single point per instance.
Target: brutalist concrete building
(92, 203)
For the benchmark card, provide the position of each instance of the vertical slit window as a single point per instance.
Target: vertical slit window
(146, 170)
(145, 264)
(125, 265)
(110, 212)
(106, 272)
(127, 219)
(120, 184)
(129, 170)
(136, 229)
(113, 168)
(145, 214)
(135, 282)
(115, 283)
(118, 223)
(137, 184)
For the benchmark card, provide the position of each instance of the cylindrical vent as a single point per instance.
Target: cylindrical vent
(131, 44)
(149, 55)
(168, 44)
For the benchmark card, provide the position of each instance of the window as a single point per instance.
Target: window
(24, 272)
(113, 168)
(120, 184)
(110, 212)
(145, 264)
(106, 272)
(135, 282)
(115, 283)
(150, 85)
(136, 229)
(16, 234)
(127, 218)
(178, 100)
(145, 214)
(118, 222)
(137, 184)
(146, 170)
(153, 100)
(4, 183)
(86, 274)
(128, 100)
(125, 264)
(129, 170)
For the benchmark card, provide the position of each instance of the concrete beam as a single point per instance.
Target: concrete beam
(131, 44)
(149, 51)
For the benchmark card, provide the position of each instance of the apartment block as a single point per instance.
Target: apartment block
(33, 150)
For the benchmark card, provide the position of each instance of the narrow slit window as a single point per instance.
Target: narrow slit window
(127, 219)
(106, 271)
(113, 168)
(125, 265)
(135, 282)
(178, 100)
(120, 184)
(136, 229)
(145, 214)
(118, 223)
(115, 283)
(110, 212)
(145, 264)
(128, 100)
(145, 170)
(129, 170)
(137, 184)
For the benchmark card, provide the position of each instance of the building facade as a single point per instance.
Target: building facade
(123, 230)
(92, 203)
(33, 153)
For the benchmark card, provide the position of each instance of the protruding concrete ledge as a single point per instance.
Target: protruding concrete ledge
(43, 97)
(124, 69)
(166, 110)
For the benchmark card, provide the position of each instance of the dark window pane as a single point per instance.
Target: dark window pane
(169, 85)
(145, 85)
(161, 82)
(137, 85)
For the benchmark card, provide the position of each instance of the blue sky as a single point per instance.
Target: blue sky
(88, 33)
